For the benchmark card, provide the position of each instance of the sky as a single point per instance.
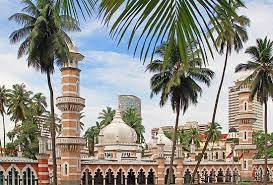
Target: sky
(109, 70)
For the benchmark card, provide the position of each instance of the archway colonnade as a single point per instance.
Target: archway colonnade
(119, 177)
(14, 176)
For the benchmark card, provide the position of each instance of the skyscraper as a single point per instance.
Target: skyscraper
(126, 102)
(234, 105)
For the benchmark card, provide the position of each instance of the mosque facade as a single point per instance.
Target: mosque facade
(118, 158)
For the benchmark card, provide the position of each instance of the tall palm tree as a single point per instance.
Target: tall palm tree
(133, 119)
(3, 104)
(150, 22)
(260, 80)
(106, 116)
(19, 100)
(45, 42)
(178, 82)
(228, 40)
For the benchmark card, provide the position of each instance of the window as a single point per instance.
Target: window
(245, 135)
(245, 165)
(216, 155)
(66, 169)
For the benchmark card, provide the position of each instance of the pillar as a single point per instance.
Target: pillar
(70, 104)
(43, 174)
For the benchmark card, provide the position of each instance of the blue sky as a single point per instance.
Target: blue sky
(109, 70)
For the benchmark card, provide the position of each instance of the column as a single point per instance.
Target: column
(43, 174)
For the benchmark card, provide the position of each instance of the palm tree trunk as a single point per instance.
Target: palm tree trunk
(213, 116)
(265, 142)
(170, 176)
(53, 129)
(4, 130)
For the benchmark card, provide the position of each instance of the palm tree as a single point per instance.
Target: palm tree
(226, 41)
(3, 104)
(91, 135)
(132, 118)
(46, 44)
(39, 104)
(19, 101)
(260, 80)
(156, 21)
(106, 116)
(216, 133)
(178, 82)
(195, 139)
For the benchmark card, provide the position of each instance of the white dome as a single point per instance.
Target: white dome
(163, 139)
(118, 131)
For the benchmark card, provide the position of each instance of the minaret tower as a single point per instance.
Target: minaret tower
(245, 118)
(70, 104)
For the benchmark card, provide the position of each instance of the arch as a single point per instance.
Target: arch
(131, 177)
(99, 168)
(167, 174)
(141, 178)
(98, 177)
(228, 175)
(86, 177)
(109, 177)
(120, 178)
(29, 166)
(13, 175)
(187, 176)
(167, 168)
(13, 166)
(212, 175)
(220, 175)
(204, 175)
(141, 168)
(29, 176)
(151, 177)
(86, 168)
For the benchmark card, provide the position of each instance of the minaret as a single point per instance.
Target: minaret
(245, 118)
(70, 104)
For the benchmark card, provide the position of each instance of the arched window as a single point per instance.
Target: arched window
(28, 177)
(245, 106)
(66, 169)
(245, 135)
(216, 155)
(13, 177)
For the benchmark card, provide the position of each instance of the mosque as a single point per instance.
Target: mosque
(119, 160)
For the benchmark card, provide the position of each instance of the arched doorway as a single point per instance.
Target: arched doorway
(131, 177)
(13, 177)
(29, 177)
(141, 177)
(220, 176)
(109, 179)
(166, 177)
(187, 177)
(120, 178)
(87, 178)
(151, 177)
(98, 178)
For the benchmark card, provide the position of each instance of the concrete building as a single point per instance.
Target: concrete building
(126, 102)
(201, 127)
(234, 106)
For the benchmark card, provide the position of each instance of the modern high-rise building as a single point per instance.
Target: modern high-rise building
(234, 106)
(126, 102)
